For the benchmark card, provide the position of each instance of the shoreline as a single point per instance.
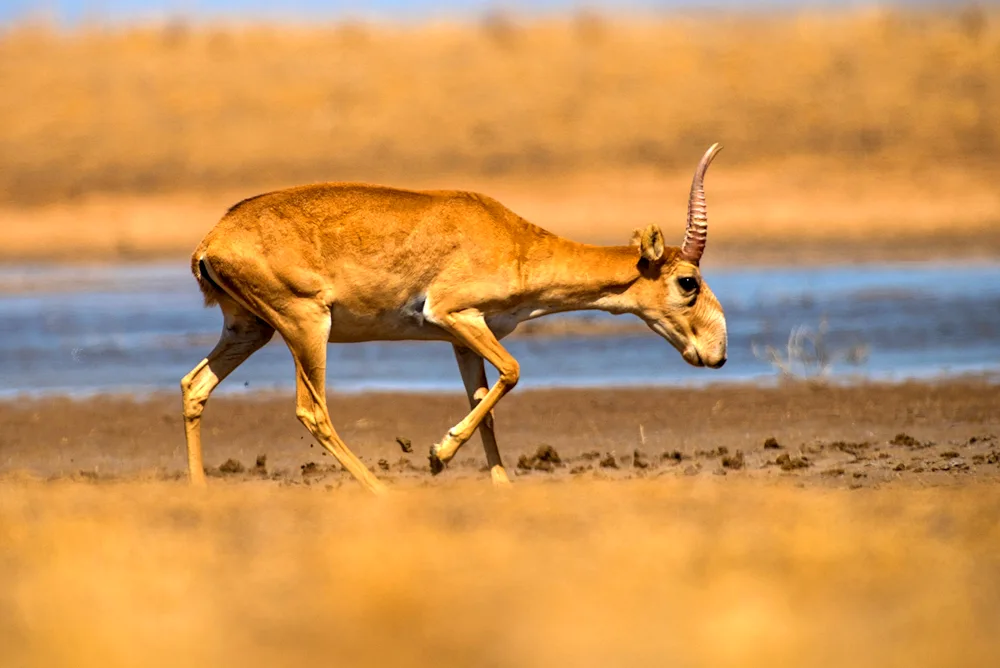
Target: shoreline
(989, 378)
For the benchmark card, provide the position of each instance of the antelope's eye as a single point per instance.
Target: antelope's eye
(688, 283)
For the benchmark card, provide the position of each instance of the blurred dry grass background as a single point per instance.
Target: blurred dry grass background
(702, 572)
(202, 107)
(836, 123)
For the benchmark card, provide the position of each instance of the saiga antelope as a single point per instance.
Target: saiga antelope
(348, 262)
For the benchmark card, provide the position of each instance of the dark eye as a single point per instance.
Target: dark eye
(688, 283)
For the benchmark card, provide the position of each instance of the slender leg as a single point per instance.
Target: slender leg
(472, 332)
(470, 365)
(307, 339)
(242, 335)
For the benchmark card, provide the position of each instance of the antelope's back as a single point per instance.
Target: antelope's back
(366, 238)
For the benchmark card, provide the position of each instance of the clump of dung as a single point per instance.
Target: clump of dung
(231, 467)
(734, 461)
(771, 443)
(789, 463)
(639, 460)
(546, 458)
(609, 461)
(856, 450)
(313, 471)
(907, 440)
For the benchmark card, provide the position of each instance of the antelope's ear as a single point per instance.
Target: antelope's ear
(650, 242)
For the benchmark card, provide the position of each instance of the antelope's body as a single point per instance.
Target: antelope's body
(385, 260)
(355, 262)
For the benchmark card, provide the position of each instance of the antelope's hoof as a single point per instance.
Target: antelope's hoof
(436, 464)
(196, 479)
(499, 476)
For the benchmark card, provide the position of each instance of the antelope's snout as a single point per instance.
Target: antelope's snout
(714, 360)
(708, 351)
(701, 341)
(705, 338)
(694, 357)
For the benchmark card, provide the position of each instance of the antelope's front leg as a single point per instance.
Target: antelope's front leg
(471, 330)
(470, 365)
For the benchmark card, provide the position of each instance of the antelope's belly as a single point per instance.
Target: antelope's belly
(410, 320)
(400, 324)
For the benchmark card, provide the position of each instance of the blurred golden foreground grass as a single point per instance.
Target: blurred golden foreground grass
(599, 573)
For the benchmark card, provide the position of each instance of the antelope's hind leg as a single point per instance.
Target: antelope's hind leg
(243, 334)
(470, 365)
(307, 336)
(472, 332)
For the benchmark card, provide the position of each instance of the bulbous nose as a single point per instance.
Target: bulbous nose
(692, 356)
(719, 364)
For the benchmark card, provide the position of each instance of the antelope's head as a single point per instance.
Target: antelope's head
(671, 295)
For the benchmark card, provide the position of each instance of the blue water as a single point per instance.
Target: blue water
(71, 330)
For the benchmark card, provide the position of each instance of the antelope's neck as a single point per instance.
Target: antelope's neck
(562, 275)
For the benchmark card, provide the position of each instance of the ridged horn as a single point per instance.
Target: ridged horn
(697, 223)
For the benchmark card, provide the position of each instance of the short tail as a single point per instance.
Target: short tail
(209, 288)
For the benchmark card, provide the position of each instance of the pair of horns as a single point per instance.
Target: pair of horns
(697, 221)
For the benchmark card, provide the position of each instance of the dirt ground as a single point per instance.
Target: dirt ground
(934, 433)
(865, 534)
